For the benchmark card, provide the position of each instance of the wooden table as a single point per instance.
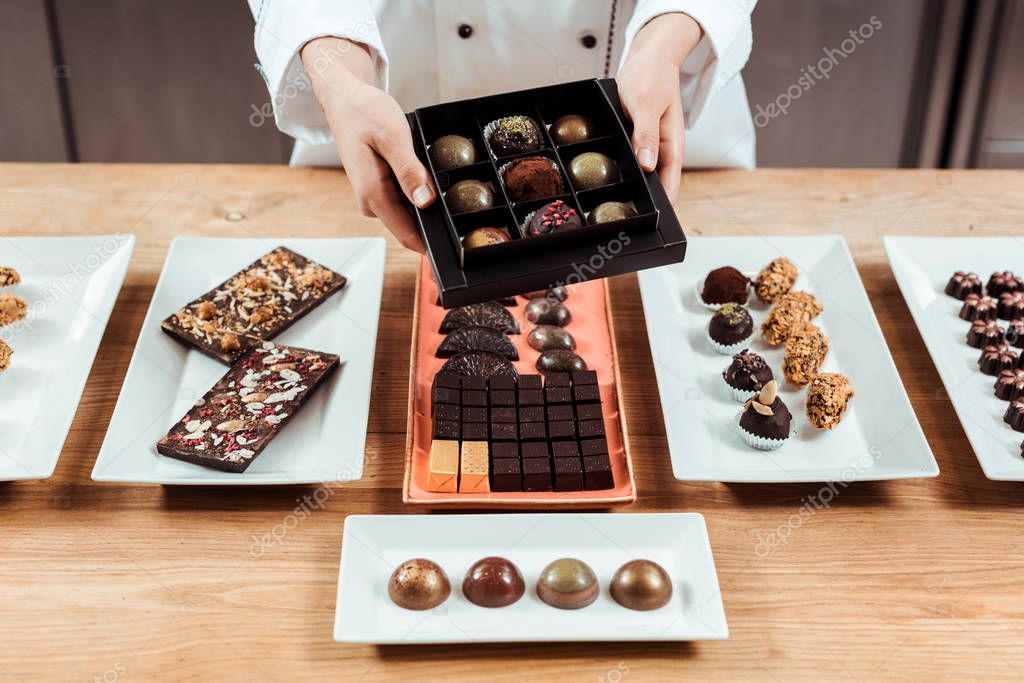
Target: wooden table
(903, 579)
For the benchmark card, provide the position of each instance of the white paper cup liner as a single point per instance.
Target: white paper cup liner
(741, 395)
(761, 443)
(698, 288)
(731, 350)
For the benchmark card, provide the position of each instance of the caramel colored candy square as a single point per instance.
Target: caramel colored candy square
(444, 466)
(473, 477)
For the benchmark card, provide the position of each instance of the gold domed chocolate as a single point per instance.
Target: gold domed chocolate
(469, 195)
(641, 585)
(592, 169)
(452, 151)
(611, 211)
(484, 237)
(571, 128)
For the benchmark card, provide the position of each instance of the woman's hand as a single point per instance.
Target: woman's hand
(649, 90)
(371, 134)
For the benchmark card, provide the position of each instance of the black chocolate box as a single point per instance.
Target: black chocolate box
(651, 238)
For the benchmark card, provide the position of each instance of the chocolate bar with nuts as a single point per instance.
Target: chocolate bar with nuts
(228, 427)
(255, 304)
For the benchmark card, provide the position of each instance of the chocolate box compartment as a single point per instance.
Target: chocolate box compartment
(483, 172)
(616, 148)
(653, 238)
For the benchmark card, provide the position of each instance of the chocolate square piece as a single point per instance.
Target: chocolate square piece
(536, 474)
(446, 429)
(591, 428)
(506, 474)
(448, 411)
(504, 431)
(474, 414)
(236, 419)
(589, 411)
(563, 429)
(590, 447)
(447, 380)
(556, 413)
(586, 393)
(568, 474)
(474, 431)
(503, 397)
(503, 414)
(597, 472)
(531, 414)
(443, 467)
(535, 449)
(474, 468)
(556, 395)
(474, 383)
(444, 395)
(504, 449)
(253, 305)
(565, 449)
(532, 431)
(502, 382)
(474, 397)
(557, 379)
(529, 382)
(584, 377)
(531, 397)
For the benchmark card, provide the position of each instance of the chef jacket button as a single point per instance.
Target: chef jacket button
(589, 41)
(465, 31)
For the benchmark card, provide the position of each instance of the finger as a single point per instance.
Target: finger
(394, 213)
(379, 197)
(672, 146)
(646, 138)
(395, 145)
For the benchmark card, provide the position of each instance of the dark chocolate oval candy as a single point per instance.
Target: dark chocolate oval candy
(560, 360)
(549, 337)
(543, 311)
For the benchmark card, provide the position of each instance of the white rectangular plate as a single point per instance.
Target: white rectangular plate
(324, 442)
(879, 437)
(70, 285)
(373, 545)
(923, 266)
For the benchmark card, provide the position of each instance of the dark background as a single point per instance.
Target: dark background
(941, 84)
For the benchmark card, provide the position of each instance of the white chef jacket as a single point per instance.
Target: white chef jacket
(431, 51)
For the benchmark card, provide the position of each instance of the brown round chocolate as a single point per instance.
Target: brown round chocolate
(611, 211)
(484, 237)
(571, 128)
(725, 284)
(452, 151)
(592, 169)
(469, 195)
(641, 585)
(418, 584)
(493, 582)
(568, 583)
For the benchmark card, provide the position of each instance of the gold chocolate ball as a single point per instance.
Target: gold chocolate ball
(592, 169)
(419, 584)
(484, 237)
(568, 583)
(469, 195)
(611, 211)
(571, 128)
(452, 151)
(641, 585)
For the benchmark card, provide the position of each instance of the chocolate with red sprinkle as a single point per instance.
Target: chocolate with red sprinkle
(554, 217)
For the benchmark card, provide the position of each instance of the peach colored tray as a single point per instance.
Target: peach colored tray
(592, 328)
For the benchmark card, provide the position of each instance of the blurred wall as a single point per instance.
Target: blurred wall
(917, 83)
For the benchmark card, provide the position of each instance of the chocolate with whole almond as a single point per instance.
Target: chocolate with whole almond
(228, 427)
(253, 305)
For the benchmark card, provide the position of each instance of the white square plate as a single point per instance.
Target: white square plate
(923, 266)
(324, 442)
(879, 437)
(373, 545)
(70, 285)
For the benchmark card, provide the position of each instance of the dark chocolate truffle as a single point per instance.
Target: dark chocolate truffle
(513, 135)
(532, 178)
(592, 169)
(484, 237)
(1011, 305)
(1010, 384)
(469, 195)
(747, 372)
(766, 416)
(1014, 416)
(985, 333)
(962, 284)
(996, 358)
(611, 211)
(571, 128)
(554, 217)
(452, 151)
(979, 308)
(1000, 282)
(731, 324)
(725, 284)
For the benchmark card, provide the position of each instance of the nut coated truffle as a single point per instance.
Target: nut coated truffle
(532, 178)
(775, 280)
(513, 135)
(452, 151)
(827, 398)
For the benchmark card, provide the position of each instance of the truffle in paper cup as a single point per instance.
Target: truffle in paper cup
(730, 350)
(698, 292)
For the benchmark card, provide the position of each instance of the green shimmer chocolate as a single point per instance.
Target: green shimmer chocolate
(611, 211)
(592, 169)
(469, 195)
(571, 128)
(452, 151)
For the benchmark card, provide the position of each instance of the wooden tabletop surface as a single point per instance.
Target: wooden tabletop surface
(913, 579)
